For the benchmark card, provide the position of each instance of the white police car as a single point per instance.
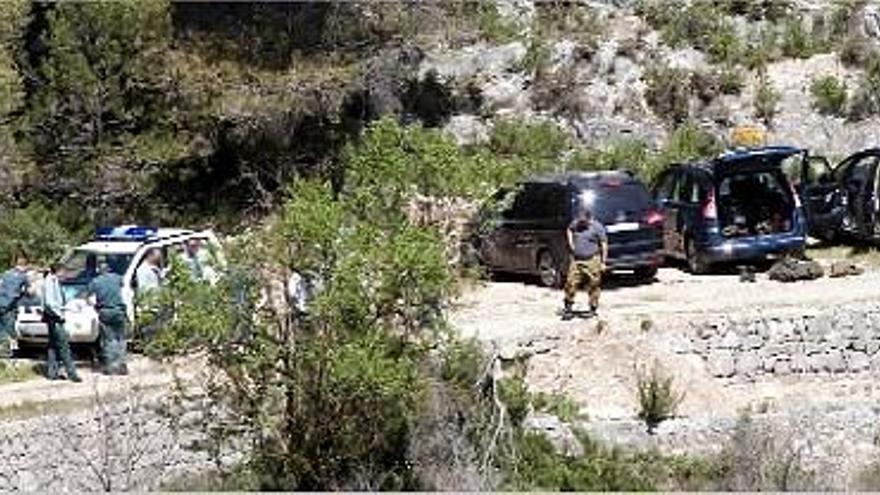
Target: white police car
(123, 249)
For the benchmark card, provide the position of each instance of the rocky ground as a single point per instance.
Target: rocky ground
(801, 357)
(104, 434)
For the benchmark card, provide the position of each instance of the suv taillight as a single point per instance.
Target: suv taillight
(710, 210)
(654, 218)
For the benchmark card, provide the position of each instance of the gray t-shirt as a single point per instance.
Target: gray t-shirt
(586, 237)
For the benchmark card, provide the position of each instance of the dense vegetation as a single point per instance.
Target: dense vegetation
(303, 128)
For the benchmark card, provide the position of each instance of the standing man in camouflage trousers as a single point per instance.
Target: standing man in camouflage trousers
(13, 286)
(106, 291)
(588, 245)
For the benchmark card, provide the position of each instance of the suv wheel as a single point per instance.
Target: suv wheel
(549, 270)
(695, 262)
(646, 273)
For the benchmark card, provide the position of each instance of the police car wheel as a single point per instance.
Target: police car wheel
(548, 270)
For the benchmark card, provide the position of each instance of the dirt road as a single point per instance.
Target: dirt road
(593, 360)
(501, 310)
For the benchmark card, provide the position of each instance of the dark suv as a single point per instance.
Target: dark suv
(739, 206)
(528, 236)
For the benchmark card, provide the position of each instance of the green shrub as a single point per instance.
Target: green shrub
(577, 22)
(796, 42)
(866, 99)
(683, 23)
(731, 80)
(516, 396)
(857, 51)
(766, 100)
(36, 229)
(625, 154)
(724, 44)
(829, 95)
(542, 143)
(537, 467)
(762, 50)
(658, 397)
(493, 27)
(686, 143)
(668, 93)
(559, 405)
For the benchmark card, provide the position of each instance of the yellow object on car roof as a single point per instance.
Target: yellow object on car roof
(748, 136)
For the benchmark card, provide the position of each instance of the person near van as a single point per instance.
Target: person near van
(149, 274)
(13, 286)
(192, 258)
(588, 244)
(53, 315)
(105, 292)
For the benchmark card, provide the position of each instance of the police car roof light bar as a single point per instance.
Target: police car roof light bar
(126, 233)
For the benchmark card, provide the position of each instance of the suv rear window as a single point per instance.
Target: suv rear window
(611, 202)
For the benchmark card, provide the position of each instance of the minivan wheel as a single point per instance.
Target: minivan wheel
(548, 270)
(646, 273)
(695, 262)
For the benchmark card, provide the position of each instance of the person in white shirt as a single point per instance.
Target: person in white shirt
(53, 315)
(149, 274)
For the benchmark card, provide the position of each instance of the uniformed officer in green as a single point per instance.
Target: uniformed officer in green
(13, 286)
(53, 315)
(106, 291)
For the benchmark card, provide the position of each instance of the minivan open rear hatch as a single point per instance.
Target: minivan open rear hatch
(755, 200)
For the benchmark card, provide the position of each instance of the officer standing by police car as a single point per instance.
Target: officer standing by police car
(53, 314)
(106, 293)
(13, 286)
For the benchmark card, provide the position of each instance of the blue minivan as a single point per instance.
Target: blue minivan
(738, 207)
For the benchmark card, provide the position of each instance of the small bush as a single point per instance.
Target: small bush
(658, 397)
(724, 44)
(689, 142)
(669, 92)
(731, 80)
(856, 51)
(766, 100)
(684, 23)
(577, 22)
(829, 95)
(493, 27)
(625, 154)
(866, 99)
(559, 405)
(762, 51)
(796, 42)
(538, 141)
(516, 396)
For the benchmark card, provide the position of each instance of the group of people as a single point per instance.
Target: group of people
(104, 292)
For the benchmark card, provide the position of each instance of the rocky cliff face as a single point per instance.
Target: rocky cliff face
(591, 67)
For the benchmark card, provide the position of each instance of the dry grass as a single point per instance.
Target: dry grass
(864, 255)
(14, 372)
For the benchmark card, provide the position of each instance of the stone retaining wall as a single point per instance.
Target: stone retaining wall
(839, 340)
(123, 444)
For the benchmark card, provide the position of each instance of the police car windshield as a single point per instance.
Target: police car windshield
(82, 266)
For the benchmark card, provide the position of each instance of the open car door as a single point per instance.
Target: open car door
(821, 196)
